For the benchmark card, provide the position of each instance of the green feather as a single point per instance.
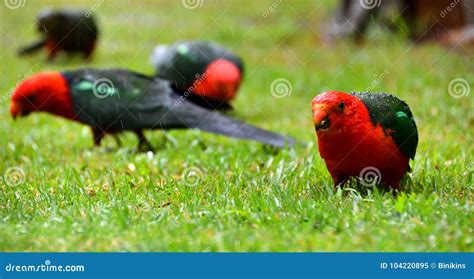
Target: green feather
(392, 114)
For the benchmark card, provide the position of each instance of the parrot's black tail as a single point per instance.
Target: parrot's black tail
(214, 122)
(33, 47)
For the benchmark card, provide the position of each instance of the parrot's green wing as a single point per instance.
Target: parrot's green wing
(115, 100)
(395, 117)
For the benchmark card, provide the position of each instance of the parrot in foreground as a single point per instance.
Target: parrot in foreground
(114, 100)
(65, 30)
(360, 132)
(203, 72)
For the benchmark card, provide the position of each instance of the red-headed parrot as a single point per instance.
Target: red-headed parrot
(65, 30)
(361, 132)
(203, 72)
(115, 100)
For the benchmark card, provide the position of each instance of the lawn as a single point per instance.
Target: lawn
(201, 192)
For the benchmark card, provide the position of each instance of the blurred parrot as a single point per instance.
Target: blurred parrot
(115, 100)
(359, 132)
(203, 72)
(65, 30)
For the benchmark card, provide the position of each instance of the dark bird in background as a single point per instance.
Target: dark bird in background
(115, 100)
(353, 17)
(447, 22)
(203, 72)
(71, 31)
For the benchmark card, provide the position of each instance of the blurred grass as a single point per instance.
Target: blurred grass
(245, 198)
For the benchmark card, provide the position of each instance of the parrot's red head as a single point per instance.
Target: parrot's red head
(219, 82)
(335, 112)
(47, 91)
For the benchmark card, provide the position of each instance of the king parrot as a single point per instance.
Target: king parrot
(203, 72)
(115, 100)
(358, 132)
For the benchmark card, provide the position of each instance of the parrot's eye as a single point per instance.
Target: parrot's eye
(341, 106)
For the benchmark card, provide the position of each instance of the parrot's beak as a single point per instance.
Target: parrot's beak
(15, 110)
(320, 118)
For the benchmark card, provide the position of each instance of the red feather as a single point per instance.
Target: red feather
(219, 82)
(47, 91)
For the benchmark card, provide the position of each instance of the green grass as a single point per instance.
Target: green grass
(240, 196)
